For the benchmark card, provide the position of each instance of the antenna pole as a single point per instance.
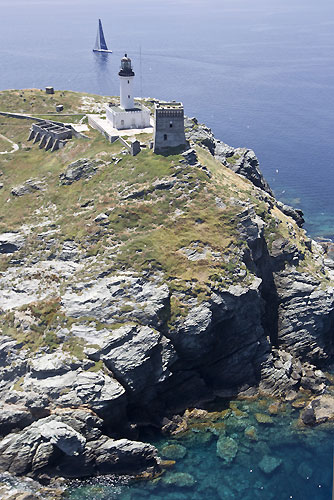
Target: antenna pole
(141, 74)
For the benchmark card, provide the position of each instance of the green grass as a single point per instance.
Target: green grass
(33, 101)
(5, 145)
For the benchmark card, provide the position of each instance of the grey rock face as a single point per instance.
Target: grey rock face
(49, 365)
(135, 346)
(241, 160)
(13, 417)
(27, 284)
(190, 157)
(320, 410)
(80, 169)
(125, 456)
(30, 186)
(137, 356)
(305, 314)
(296, 214)
(74, 388)
(11, 242)
(122, 295)
(34, 449)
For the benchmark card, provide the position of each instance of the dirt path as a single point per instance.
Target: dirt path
(15, 146)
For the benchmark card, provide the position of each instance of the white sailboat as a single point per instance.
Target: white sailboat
(100, 44)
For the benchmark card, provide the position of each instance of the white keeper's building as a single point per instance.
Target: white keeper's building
(127, 115)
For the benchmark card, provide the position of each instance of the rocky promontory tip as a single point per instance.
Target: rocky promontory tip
(133, 287)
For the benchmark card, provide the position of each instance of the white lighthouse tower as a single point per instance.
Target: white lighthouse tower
(126, 76)
(128, 114)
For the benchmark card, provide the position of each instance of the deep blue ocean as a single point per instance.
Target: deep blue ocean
(260, 73)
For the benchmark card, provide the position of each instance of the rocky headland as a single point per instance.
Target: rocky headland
(133, 288)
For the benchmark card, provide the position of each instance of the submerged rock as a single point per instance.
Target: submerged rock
(251, 433)
(179, 479)
(305, 470)
(262, 418)
(269, 464)
(174, 451)
(227, 449)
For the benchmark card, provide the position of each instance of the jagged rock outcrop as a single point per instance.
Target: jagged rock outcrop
(242, 161)
(79, 169)
(11, 242)
(173, 282)
(30, 186)
(61, 440)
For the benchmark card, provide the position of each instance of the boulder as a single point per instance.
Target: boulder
(173, 451)
(319, 410)
(138, 357)
(95, 390)
(52, 441)
(125, 456)
(80, 169)
(295, 213)
(13, 417)
(30, 186)
(178, 480)
(61, 435)
(11, 242)
(227, 449)
(48, 365)
(17, 451)
(269, 464)
(264, 419)
(250, 433)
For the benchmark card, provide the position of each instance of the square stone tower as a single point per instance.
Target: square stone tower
(168, 126)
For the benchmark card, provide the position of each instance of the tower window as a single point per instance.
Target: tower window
(128, 81)
(170, 124)
(165, 137)
(128, 97)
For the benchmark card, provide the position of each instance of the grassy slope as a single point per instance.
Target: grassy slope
(146, 233)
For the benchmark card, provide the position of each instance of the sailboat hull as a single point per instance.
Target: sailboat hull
(103, 50)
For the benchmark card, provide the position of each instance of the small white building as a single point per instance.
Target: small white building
(127, 115)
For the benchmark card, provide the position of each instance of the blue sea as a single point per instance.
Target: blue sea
(260, 73)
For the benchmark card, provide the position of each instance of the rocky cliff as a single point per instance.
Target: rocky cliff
(132, 288)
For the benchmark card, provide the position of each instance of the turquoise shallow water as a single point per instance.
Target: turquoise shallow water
(302, 457)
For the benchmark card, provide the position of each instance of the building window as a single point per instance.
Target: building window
(165, 137)
(128, 81)
(128, 97)
(170, 124)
